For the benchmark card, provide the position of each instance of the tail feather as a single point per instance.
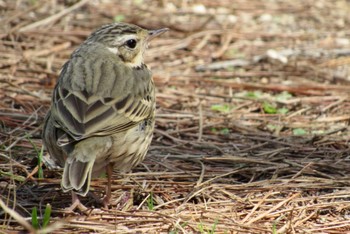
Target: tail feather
(79, 166)
(77, 176)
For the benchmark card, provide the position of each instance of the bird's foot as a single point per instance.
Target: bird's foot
(76, 205)
(106, 202)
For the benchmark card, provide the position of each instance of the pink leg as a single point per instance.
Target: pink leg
(107, 198)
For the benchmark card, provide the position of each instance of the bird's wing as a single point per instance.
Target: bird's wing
(99, 98)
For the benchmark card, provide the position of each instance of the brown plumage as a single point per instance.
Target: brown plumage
(102, 112)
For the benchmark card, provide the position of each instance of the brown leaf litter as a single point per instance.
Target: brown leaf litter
(252, 131)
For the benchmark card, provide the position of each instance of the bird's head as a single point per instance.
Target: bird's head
(127, 41)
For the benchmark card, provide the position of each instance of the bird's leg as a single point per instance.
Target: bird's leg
(107, 198)
(76, 204)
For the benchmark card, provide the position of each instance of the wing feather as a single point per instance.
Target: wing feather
(121, 99)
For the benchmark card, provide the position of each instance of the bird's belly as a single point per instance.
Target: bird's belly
(129, 149)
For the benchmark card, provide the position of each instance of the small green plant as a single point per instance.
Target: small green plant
(45, 219)
(150, 201)
(35, 221)
(119, 18)
(254, 95)
(271, 109)
(225, 131)
(214, 226)
(176, 231)
(13, 176)
(299, 132)
(274, 229)
(282, 110)
(203, 229)
(40, 157)
(223, 108)
(283, 96)
(271, 127)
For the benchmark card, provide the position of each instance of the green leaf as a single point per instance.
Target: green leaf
(12, 176)
(223, 108)
(35, 222)
(255, 95)
(175, 231)
(299, 132)
(119, 18)
(150, 202)
(184, 224)
(47, 215)
(225, 131)
(271, 127)
(214, 226)
(268, 108)
(284, 96)
(283, 110)
(317, 132)
(40, 159)
(201, 227)
(274, 228)
(39, 155)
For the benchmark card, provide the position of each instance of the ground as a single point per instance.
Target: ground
(253, 112)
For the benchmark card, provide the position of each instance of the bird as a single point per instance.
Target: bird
(102, 111)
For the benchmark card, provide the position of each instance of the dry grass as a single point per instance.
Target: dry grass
(252, 122)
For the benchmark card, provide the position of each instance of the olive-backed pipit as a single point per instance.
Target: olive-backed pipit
(102, 111)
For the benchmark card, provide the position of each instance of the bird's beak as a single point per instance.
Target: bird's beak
(153, 33)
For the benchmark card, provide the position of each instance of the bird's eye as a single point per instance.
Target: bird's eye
(131, 43)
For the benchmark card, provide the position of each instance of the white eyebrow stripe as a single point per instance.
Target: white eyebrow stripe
(121, 40)
(128, 37)
(114, 50)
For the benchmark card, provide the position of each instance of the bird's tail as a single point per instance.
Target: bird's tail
(87, 159)
(77, 175)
